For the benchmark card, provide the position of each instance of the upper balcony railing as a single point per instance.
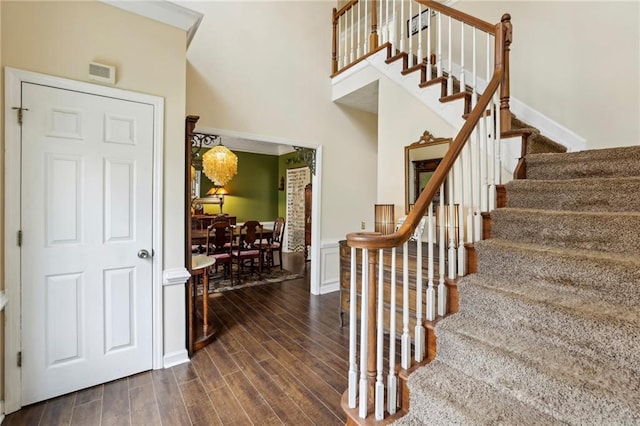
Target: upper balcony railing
(469, 58)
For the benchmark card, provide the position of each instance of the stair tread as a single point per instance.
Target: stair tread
(596, 327)
(453, 397)
(613, 232)
(631, 260)
(570, 398)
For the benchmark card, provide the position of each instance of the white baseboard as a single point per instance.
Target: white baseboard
(330, 287)
(175, 358)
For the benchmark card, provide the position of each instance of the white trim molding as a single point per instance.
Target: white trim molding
(175, 276)
(14, 78)
(163, 11)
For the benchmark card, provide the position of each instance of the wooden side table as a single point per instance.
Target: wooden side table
(200, 266)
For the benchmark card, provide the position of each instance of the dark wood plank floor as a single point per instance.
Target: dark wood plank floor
(280, 357)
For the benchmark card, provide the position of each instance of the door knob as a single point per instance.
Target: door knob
(143, 254)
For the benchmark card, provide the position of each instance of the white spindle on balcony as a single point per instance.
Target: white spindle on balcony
(359, 32)
(429, 51)
(402, 26)
(410, 35)
(439, 40)
(462, 54)
(419, 55)
(352, 51)
(450, 59)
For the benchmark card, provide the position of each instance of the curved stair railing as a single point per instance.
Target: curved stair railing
(388, 334)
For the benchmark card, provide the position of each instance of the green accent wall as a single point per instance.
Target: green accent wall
(253, 192)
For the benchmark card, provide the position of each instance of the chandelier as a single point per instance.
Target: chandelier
(219, 164)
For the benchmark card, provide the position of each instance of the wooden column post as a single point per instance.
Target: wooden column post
(504, 37)
(190, 125)
(373, 38)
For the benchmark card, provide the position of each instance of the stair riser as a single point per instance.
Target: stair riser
(569, 402)
(602, 195)
(589, 231)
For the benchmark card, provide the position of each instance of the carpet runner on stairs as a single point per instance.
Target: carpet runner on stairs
(548, 330)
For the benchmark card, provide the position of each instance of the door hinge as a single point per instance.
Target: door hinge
(20, 359)
(20, 238)
(20, 112)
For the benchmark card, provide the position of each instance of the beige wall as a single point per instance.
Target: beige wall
(60, 38)
(262, 68)
(577, 62)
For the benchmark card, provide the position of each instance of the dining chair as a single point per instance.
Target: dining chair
(274, 244)
(218, 245)
(249, 248)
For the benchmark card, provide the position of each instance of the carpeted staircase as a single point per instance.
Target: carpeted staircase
(548, 330)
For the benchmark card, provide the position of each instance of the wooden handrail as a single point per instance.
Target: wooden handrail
(460, 16)
(344, 9)
(372, 240)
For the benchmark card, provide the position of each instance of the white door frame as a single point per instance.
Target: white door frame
(12, 214)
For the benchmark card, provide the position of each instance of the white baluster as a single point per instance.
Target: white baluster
(410, 35)
(402, 26)
(466, 203)
(429, 62)
(379, 394)
(450, 65)
(460, 171)
(452, 230)
(419, 328)
(366, 27)
(364, 341)
(419, 56)
(353, 333)
(406, 339)
(462, 53)
(346, 38)
(484, 157)
(439, 58)
(388, 24)
(498, 151)
(491, 197)
(392, 380)
(359, 51)
(353, 38)
(393, 32)
(442, 288)
(431, 294)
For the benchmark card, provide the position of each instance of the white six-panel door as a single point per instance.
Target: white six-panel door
(87, 173)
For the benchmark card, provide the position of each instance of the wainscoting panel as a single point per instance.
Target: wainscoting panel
(330, 264)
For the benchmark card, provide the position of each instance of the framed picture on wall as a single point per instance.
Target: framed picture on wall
(412, 24)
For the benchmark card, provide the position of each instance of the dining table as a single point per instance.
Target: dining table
(199, 236)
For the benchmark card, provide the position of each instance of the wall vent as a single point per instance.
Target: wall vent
(102, 73)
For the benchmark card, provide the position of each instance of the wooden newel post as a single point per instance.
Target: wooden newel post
(373, 38)
(372, 319)
(503, 43)
(334, 47)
